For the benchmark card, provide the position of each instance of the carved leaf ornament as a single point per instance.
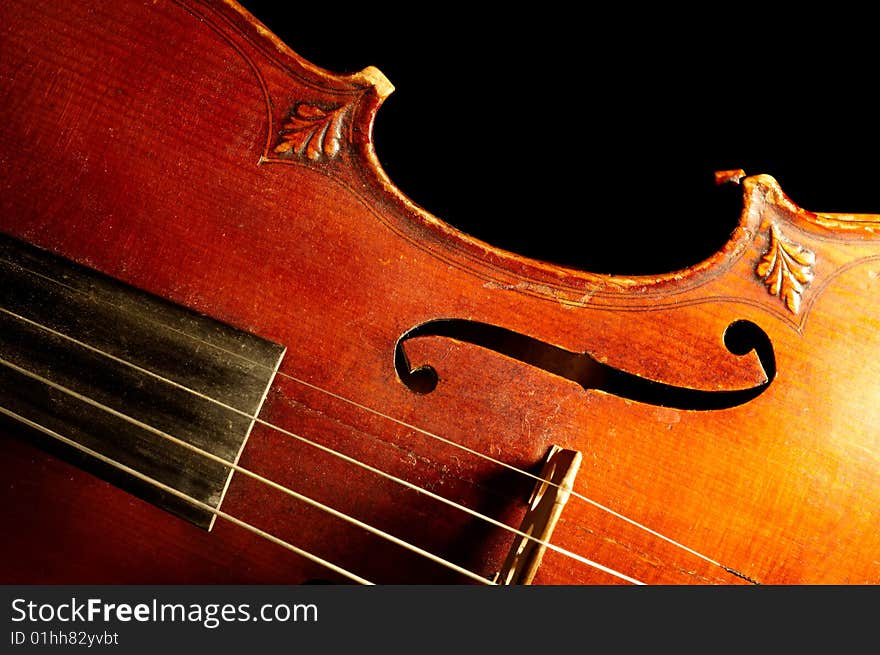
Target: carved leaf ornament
(786, 269)
(312, 131)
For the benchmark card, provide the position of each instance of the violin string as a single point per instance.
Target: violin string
(400, 481)
(393, 419)
(185, 497)
(503, 464)
(427, 433)
(255, 476)
(317, 504)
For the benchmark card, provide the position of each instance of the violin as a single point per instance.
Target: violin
(234, 351)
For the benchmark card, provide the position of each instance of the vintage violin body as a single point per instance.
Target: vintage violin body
(234, 352)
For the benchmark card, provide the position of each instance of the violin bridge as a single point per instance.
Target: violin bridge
(546, 503)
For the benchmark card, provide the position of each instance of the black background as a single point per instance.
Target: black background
(591, 140)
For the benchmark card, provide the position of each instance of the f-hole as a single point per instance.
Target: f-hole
(740, 338)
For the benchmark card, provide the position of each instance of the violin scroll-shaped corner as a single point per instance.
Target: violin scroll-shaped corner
(421, 380)
(795, 253)
(742, 337)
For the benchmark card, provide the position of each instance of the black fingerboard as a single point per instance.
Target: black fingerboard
(129, 376)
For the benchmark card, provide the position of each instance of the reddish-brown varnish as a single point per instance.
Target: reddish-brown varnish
(181, 148)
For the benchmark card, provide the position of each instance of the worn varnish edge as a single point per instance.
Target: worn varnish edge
(370, 76)
(763, 199)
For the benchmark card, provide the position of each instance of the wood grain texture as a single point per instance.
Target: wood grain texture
(181, 148)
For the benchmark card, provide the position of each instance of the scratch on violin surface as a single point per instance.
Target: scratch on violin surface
(667, 415)
(539, 289)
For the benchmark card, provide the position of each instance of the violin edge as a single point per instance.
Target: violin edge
(369, 77)
(763, 200)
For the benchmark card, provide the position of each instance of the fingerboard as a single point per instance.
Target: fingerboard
(130, 376)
